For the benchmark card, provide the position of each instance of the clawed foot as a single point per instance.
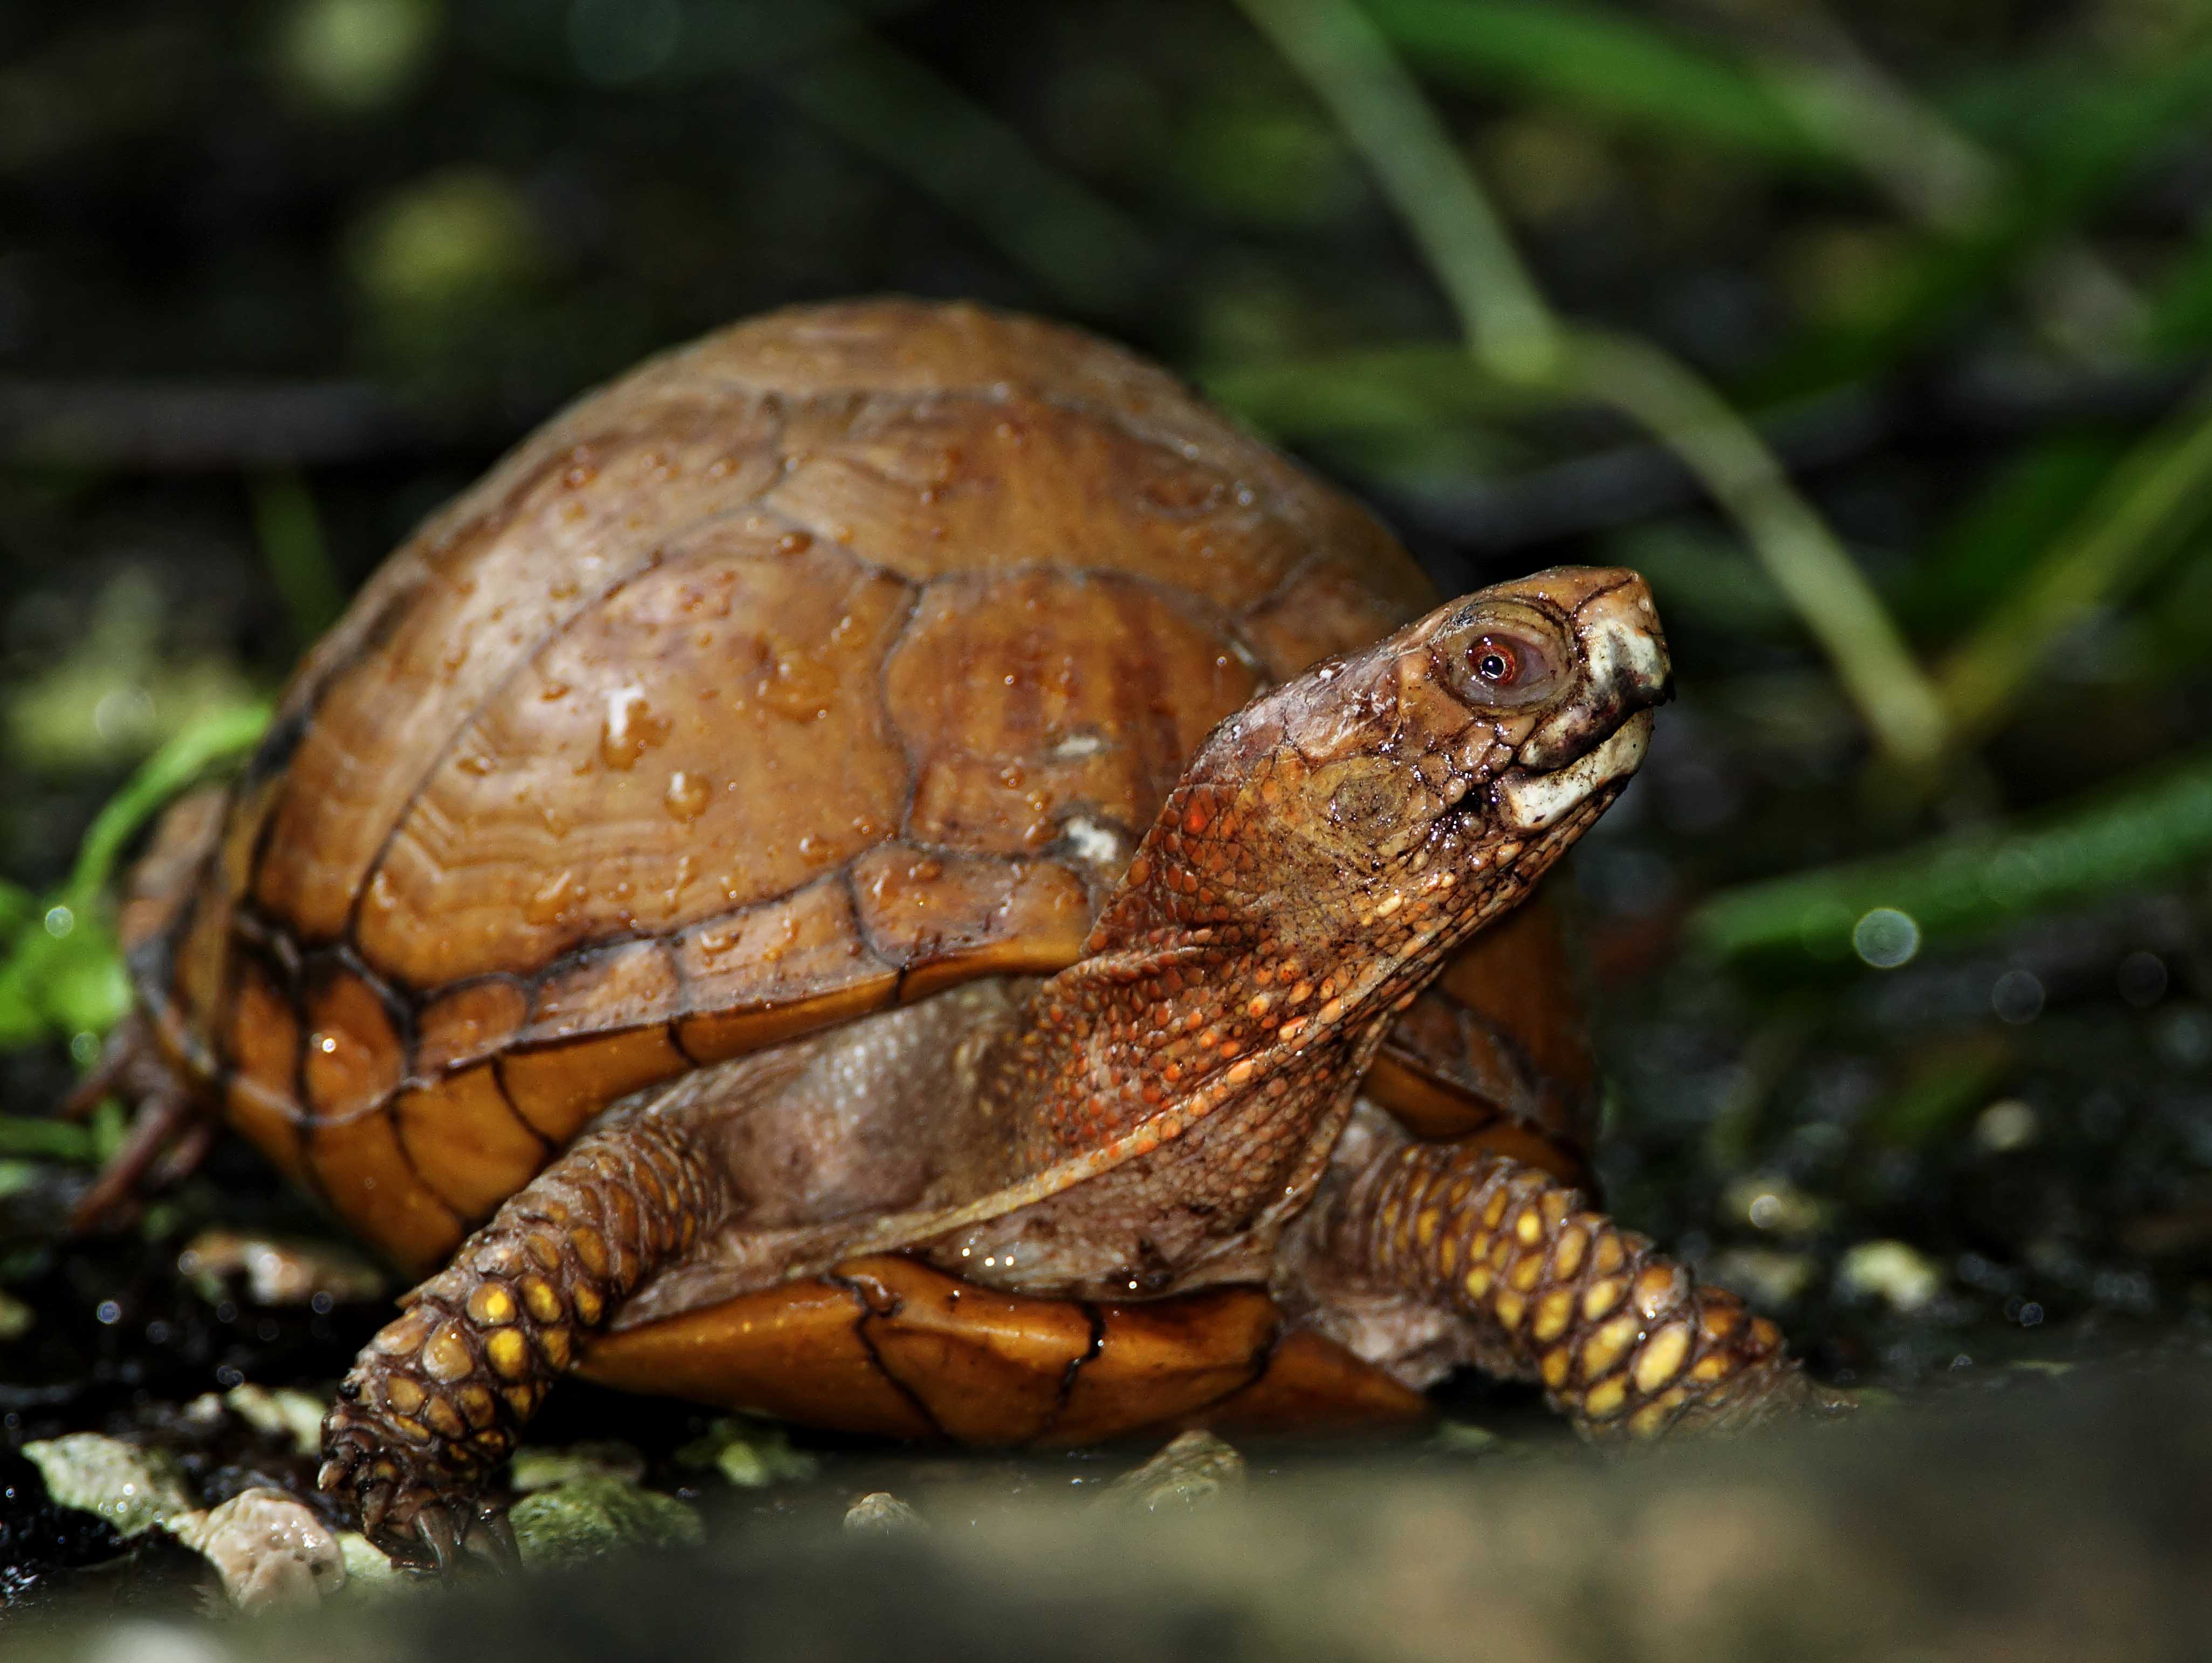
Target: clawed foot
(432, 1526)
(169, 1137)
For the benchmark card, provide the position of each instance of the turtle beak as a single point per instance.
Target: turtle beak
(1625, 667)
(1597, 737)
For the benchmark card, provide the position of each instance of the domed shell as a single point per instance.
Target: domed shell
(833, 660)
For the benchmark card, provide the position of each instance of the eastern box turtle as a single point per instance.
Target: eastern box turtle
(893, 869)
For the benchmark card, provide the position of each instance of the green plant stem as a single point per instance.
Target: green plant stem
(292, 547)
(1344, 59)
(1808, 564)
(2123, 836)
(1514, 334)
(2155, 498)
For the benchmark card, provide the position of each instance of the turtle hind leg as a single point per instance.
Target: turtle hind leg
(1626, 1342)
(175, 1128)
(439, 1398)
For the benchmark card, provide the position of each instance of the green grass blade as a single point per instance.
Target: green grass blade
(2084, 148)
(2154, 499)
(2123, 836)
(1978, 556)
(1607, 63)
(1514, 335)
(292, 547)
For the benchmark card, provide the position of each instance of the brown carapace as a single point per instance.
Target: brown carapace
(892, 868)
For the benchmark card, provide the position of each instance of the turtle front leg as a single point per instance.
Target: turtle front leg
(439, 1399)
(1627, 1343)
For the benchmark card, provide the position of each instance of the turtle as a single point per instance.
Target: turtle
(893, 868)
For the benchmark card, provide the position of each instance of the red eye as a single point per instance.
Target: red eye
(1494, 662)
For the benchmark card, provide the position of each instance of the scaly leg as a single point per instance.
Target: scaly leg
(171, 1133)
(1626, 1344)
(438, 1399)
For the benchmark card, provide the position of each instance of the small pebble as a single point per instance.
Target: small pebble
(1192, 1470)
(2005, 1126)
(749, 1453)
(269, 1550)
(1769, 1278)
(533, 1470)
(880, 1513)
(278, 1271)
(1466, 1438)
(1774, 1205)
(282, 1413)
(596, 1516)
(1892, 1271)
(134, 1489)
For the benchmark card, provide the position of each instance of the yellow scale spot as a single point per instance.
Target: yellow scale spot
(1555, 1311)
(539, 1299)
(477, 1404)
(1659, 1288)
(1555, 1205)
(1557, 1363)
(446, 1358)
(1424, 1227)
(1608, 1344)
(591, 1249)
(1604, 1398)
(1501, 1253)
(491, 1305)
(401, 1396)
(1509, 1308)
(399, 1338)
(521, 1400)
(1650, 1421)
(1661, 1357)
(1567, 1253)
(1530, 1227)
(1610, 1255)
(1448, 1255)
(553, 1344)
(410, 1429)
(1494, 1209)
(1456, 1196)
(589, 1306)
(1601, 1297)
(444, 1418)
(1478, 1282)
(1526, 1275)
(1714, 1365)
(508, 1352)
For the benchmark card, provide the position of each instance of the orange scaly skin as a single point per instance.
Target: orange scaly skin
(1626, 1342)
(435, 1405)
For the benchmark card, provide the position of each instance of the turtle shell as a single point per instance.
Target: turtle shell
(838, 657)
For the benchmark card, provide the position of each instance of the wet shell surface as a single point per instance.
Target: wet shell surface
(837, 659)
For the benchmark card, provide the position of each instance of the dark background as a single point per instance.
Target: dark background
(276, 279)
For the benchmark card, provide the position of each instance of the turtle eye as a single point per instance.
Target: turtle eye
(1501, 667)
(1494, 662)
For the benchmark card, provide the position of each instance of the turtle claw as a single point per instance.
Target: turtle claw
(413, 1521)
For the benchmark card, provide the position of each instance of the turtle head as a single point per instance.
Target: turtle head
(1480, 740)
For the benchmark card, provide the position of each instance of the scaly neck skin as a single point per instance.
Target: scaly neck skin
(1307, 878)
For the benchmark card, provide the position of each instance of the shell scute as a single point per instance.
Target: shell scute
(946, 917)
(464, 1138)
(478, 599)
(1030, 696)
(784, 967)
(657, 764)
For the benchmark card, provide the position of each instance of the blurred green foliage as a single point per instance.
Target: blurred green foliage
(1870, 332)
